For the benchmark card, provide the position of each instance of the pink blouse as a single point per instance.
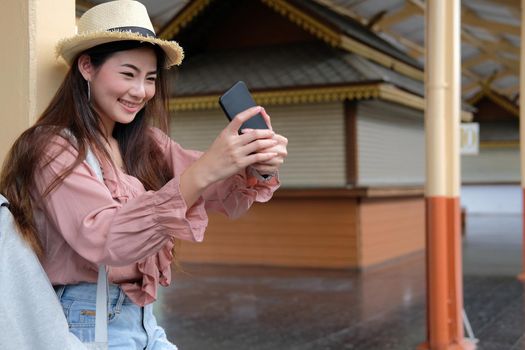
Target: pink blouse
(83, 222)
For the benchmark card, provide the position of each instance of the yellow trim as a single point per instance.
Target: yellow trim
(381, 91)
(499, 144)
(283, 97)
(391, 93)
(385, 60)
(182, 19)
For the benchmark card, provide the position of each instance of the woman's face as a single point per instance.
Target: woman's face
(122, 85)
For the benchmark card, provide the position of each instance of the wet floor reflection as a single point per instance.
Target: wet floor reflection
(221, 307)
(255, 308)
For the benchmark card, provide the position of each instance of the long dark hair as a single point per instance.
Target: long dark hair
(70, 109)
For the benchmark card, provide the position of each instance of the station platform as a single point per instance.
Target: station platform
(259, 308)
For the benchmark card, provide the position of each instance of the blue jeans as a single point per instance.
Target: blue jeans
(129, 326)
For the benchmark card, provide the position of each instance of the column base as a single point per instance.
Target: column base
(466, 344)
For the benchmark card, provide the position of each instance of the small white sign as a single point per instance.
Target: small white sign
(469, 138)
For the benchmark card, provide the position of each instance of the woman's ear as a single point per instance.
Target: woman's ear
(85, 67)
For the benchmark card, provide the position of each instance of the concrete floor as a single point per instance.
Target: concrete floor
(220, 307)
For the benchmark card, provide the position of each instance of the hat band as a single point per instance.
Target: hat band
(138, 30)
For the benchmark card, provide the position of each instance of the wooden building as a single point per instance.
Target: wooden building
(495, 171)
(351, 106)
(498, 161)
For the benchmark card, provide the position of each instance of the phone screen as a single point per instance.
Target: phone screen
(238, 99)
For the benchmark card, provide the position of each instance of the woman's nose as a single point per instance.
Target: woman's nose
(138, 90)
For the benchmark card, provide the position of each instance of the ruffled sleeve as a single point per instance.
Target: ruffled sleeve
(108, 226)
(155, 270)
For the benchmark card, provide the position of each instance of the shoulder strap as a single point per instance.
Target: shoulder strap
(3, 201)
(101, 318)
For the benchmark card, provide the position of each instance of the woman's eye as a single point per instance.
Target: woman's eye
(152, 78)
(127, 74)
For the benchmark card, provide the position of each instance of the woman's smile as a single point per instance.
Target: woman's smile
(131, 107)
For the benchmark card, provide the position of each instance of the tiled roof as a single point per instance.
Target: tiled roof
(281, 67)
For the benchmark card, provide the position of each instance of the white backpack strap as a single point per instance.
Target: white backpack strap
(101, 318)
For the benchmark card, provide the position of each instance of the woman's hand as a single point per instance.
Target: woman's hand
(229, 154)
(271, 166)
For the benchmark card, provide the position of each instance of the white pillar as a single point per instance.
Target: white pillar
(442, 119)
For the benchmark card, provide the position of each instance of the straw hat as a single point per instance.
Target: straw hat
(116, 21)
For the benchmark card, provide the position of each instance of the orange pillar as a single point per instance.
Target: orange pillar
(442, 119)
(522, 131)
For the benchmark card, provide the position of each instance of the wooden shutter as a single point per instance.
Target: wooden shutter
(391, 144)
(315, 133)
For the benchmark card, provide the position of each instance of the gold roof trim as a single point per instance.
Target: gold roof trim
(383, 59)
(189, 13)
(499, 144)
(312, 95)
(382, 91)
(283, 97)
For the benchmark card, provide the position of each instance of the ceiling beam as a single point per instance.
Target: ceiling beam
(409, 10)
(415, 50)
(496, 28)
(510, 91)
(419, 4)
(476, 59)
(512, 4)
(482, 46)
(502, 74)
(504, 45)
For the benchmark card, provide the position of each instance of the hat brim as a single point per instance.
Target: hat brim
(69, 48)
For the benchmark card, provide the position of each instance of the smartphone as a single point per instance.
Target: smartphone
(238, 99)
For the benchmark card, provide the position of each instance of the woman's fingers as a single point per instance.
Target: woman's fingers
(258, 146)
(266, 118)
(240, 118)
(255, 158)
(250, 135)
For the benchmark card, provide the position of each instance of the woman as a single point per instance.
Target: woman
(154, 191)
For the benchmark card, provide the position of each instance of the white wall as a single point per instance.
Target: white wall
(491, 199)
(501, 164)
